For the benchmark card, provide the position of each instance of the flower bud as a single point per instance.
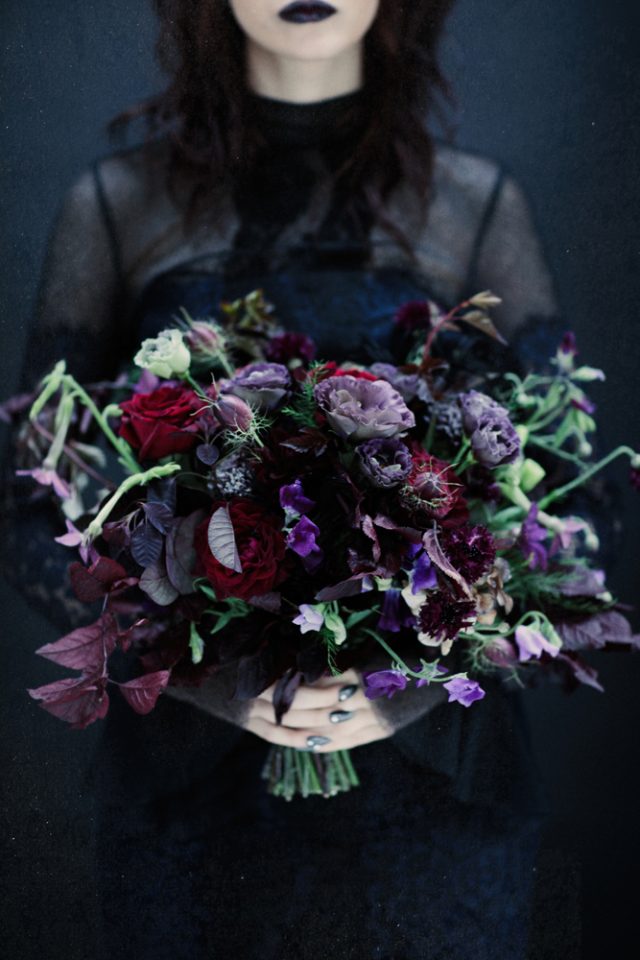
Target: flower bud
(233, 412)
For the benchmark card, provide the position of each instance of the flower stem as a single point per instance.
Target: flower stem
(95, 527)
(126, 458)
(589, 472)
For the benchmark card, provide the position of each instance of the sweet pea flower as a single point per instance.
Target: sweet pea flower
(532, 643)
(311, 617)
(464, 691)
(383, 683)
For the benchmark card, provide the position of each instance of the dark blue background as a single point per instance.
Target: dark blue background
(548, 88)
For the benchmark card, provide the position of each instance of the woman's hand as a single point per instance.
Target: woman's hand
(355, 719)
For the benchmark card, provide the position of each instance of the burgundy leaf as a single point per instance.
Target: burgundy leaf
(90, 584)
(285, 691)
(222, 540)
(370, 531)
(86, 648)
(271, 602)
(146, 544)
(156, 584)
(597, 631)
(142, 693)
(180, 553)
(346, 588)
(77, 700)
(582, 671)
(124, 636)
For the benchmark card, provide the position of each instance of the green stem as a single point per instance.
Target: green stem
(126, 457)
(95, 527)
(577, 481)
(550, 448)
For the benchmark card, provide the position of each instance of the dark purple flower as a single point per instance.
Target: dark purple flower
(442, 616)
(302, 540)
(264, 384)
(293, 500)
(464, 691)
(583, 403)
(531, 540)
(471, 550)
(383, 683)
(408, 385)
(290, 346)
(423, 574)
(568, 343)
(395, 613)
(360, 409)
(386, 462)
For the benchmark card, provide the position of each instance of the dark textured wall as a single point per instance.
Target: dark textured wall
(548, 88)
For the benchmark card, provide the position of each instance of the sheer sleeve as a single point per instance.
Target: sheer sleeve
(75, 317)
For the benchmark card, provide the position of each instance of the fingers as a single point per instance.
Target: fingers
(289, 737)
(322, 693)
(316, 718)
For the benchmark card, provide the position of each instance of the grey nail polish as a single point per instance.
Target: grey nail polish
(338, 716)
(348, 691)
(317, 741)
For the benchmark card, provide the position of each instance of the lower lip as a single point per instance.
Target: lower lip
(300, 16)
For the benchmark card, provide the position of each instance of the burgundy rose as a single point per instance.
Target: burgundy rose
(160, 423)
(261, 547)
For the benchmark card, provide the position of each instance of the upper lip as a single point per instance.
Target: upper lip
(308, 3)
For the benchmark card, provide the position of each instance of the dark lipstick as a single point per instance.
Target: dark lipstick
(299, 12)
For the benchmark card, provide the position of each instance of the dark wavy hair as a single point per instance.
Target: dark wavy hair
(206, 113)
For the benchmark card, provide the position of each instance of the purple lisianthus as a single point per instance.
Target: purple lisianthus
(383, 683)
(494, 439)
(293, 500)
(395, 613)
(464, 691)
(360, 409)
(408, 385)
(264, 384)
(532, 643)
(531, 540)
(386, 462)
(302, 540)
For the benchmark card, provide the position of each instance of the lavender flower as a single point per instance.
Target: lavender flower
(360, 409)
(386, 462)
(464, 691)
(531, 539)
(532, 643)
(309, 618)
(383, 683)
(264, 384)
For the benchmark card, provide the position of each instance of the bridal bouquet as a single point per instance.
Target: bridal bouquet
(288, 516)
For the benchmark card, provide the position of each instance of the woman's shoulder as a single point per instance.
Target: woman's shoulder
(467, 176)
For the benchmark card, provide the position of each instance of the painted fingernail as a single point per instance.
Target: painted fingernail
(316, 741)
(348, 691)
(338, 716)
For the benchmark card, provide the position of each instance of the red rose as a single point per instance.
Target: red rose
(160, 423)
(261, 546)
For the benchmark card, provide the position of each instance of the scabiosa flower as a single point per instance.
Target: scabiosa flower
(264, 384)
(464, 691)
(432, 486)
(386, 462)
(471, 550)
(232, 477)
(531, 540)
(442, 616)
(383, 683)
(360, 409)
(532, 643)
(288, 346)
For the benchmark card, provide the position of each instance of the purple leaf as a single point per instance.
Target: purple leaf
(222, 541)
(156, 584)
(180, 553)
(159, 514)
(437, 556)
(271, 602)
(86, 648)
(285, 691)
(582, 671)
(99, 579)
(146, 544)
(597, 631)
(142, 693)
(77, 700)
(346, 588)
(207, 453)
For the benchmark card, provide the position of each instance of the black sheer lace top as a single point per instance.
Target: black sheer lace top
(119, 265)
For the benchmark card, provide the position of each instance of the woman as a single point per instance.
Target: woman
(290, 152)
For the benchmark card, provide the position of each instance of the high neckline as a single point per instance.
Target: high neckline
(310, 123)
